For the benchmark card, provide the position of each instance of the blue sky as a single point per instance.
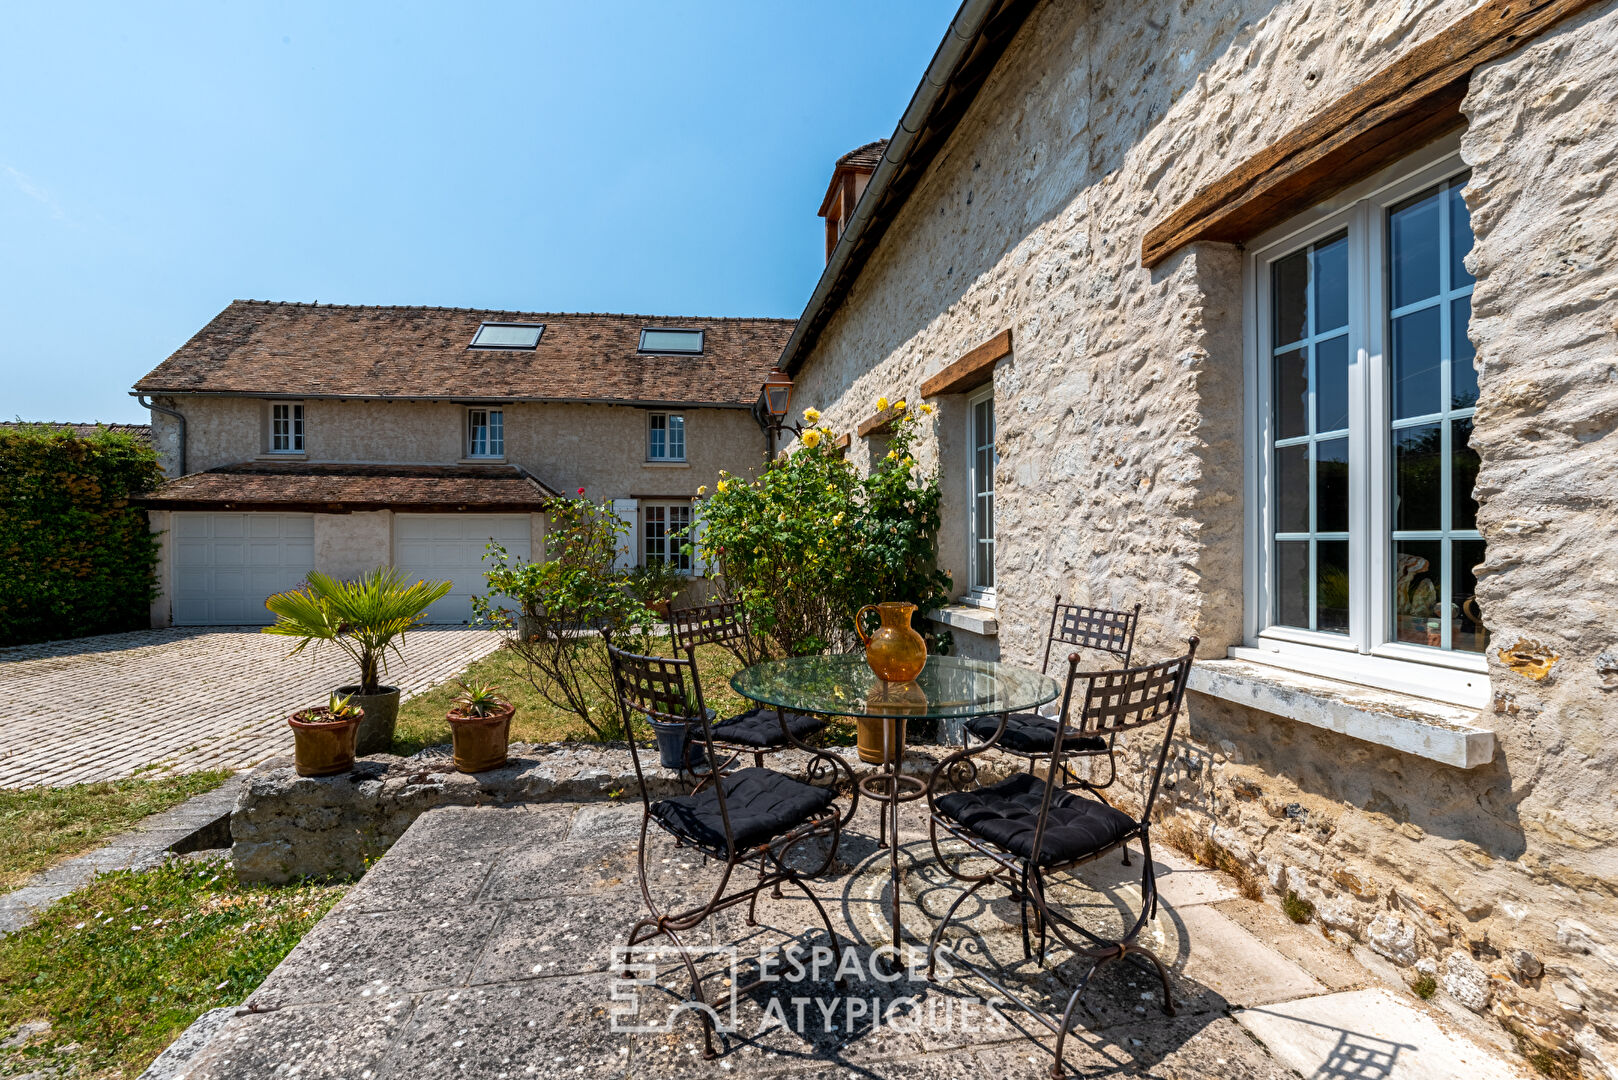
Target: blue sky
(159, 160)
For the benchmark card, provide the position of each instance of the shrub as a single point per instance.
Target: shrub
(567, 605)
(75, 557)
(810, 541)
(1297, 908)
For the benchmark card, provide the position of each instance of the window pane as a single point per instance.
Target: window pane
(508, 337)
(1290, 295)
(985, 567)
(1463, 477)
(1331, 486)
(1413, 249)
(1463, 372)
(1416, 593)
(1291, 394)
(1331, 385)
(1331, 284)
(1417, 360)
(1292, 583)
(1292, 489)
(1418, 496)
(657, 445)
(1331, 586)
(1468, 634)
(677, 438)
(1460, 233)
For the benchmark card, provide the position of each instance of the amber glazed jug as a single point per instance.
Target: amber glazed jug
(895, 652)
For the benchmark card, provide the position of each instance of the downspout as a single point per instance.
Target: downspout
(145, 402)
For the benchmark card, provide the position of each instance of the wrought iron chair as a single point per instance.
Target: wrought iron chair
(758, 731)
(1030, 829)
(747, 819)
(1032, 736)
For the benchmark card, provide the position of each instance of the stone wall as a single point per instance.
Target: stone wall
(1121, 476)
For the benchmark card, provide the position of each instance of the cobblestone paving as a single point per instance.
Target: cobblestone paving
(182, 699)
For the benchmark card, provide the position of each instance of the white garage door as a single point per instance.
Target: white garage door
(226, 564)
(449, 547)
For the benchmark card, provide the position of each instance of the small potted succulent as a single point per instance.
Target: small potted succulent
(480, 724)
(365, 618)
(323, 737)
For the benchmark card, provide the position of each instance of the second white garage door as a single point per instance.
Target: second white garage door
(449, 547)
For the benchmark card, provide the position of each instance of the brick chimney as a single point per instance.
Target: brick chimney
(848, 179)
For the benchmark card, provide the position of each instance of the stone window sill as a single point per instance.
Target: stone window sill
(976, 620)
(282, 455)
(1428, 729)
(667, 464)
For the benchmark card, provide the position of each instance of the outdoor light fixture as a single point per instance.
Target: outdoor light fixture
(778, 402)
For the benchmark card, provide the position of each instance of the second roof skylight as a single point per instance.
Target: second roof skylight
(497, 335)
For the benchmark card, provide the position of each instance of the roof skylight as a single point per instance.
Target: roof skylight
(505, 335)
(661, 340)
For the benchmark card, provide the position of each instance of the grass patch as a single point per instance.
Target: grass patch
(1557, 1066)
(1206, 851)
(1297, 908)
(122, 966)
(40, 827)
(422, 723)
(1424, 987)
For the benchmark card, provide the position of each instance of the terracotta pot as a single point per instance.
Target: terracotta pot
(879, 740)
(381, 716)
(895, 652)
(322, 747)
(481, 742)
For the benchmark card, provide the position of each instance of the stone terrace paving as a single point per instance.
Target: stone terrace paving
(480, 946)
(182, 700)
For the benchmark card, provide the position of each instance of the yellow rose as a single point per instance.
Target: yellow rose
(781, 519)
(910, 462)
(881, 404)
(926, 410)
(837, 518)
(721, 486)
(811, 438)
(703, 490)
(899, 406)
(812, 415)
(893, 455)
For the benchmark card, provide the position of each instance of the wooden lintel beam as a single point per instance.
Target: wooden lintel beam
(970, 371)
(1412, 100)
(879, 424)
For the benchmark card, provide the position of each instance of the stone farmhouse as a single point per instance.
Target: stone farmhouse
(1296, 324)
(317, 437)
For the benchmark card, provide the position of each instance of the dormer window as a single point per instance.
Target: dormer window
(680, 342)
(507, 335)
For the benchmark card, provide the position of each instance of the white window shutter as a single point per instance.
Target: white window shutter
(699, 565)
(628, 511)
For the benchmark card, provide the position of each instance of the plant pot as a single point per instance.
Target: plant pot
(481, 742)
(381, 715)
(879, 740)
(675, 747)
(322, 748)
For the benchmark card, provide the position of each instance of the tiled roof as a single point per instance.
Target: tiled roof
(143, 432)
(258, 347)
(868, 156)
(327, 488)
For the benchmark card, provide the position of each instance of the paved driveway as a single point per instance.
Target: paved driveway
(180, 700)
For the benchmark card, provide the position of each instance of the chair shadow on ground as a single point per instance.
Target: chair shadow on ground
(866, 1020)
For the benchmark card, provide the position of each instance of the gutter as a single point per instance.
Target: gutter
(963, 33)
(145, 402)
(456, 399)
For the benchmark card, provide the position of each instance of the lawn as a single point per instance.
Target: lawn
(118, 969)
(40, 827)
(422, 723)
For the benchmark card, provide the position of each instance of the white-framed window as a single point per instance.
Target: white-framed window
(286, 427)
(980, 485)
(485, 433)
(665, 437)
(665, 530)
(1363, 538)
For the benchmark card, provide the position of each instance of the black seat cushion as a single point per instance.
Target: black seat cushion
(1006, 814)
(1031, 733)
(761, 728)
(762, 803)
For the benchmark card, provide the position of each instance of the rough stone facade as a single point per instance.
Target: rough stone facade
(1121, 476)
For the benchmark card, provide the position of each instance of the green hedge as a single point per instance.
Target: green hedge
(75, 557)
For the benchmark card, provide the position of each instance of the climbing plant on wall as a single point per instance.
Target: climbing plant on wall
(75, 557)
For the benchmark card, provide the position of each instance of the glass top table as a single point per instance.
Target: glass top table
(948, 687)
(844, 685)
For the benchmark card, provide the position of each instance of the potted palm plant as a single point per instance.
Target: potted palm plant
(480, 725)
(323, 737)
(365, 618)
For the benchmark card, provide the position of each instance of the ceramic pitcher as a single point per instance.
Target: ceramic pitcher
(895, 652)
